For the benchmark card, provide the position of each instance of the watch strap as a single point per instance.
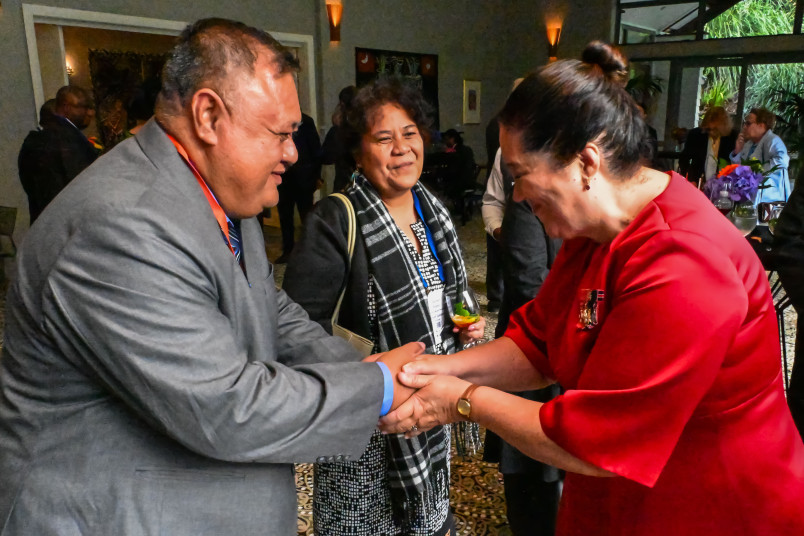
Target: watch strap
(469, 390)
(466, 400)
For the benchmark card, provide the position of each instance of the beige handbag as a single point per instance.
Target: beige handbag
(364, 346)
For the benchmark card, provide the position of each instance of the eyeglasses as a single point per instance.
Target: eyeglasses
(748, 123)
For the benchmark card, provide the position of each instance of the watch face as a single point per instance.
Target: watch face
(464, 407)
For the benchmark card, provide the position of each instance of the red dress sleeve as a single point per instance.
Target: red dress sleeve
(675, 310)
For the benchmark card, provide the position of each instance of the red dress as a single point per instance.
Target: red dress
(676, 388)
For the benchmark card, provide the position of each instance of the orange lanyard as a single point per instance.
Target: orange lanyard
(220, 215)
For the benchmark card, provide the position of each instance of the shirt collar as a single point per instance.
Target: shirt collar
(220, 216)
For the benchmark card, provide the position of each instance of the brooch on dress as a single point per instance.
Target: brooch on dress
(589, 299)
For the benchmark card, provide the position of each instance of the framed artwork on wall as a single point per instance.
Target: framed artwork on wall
(419, 69)
(471, 102)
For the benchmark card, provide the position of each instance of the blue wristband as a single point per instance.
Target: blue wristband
(388, 389)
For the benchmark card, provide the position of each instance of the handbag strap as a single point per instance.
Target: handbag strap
(350, 247)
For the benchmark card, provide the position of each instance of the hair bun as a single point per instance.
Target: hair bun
(608, 58)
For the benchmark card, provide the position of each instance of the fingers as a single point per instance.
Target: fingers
(416, 381)
(427, 365)
(415, 348)
(418, 429)
(473, 333)
(399, 421)
(399, 356)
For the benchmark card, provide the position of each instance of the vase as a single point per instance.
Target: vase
(744, 216)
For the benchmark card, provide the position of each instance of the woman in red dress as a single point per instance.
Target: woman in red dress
(656, 319)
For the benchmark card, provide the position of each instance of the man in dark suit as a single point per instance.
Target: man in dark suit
(51, 157)
(299, 183)
(153, 379)
(707, 146)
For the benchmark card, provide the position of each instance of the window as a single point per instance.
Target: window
(643, 21)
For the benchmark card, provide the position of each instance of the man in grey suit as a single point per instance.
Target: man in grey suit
(154, 380)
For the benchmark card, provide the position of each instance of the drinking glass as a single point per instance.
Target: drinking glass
(774, 217)
(744, 217)
(464, 311)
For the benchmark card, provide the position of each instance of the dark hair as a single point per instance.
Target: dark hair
(346, 95)
(47, 113)
(764, 116)
(564, 105)
(454, 134)
(209, 50)
(76, 91)
(369, 98)
(143, 100)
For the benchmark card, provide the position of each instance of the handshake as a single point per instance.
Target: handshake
(426, 391)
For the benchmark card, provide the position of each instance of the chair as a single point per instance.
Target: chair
(8, 249)
(472, 198)
(781, 301)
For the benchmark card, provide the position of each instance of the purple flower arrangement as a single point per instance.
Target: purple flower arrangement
(741, 181)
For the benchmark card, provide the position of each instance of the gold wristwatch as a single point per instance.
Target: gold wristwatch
(464, 405)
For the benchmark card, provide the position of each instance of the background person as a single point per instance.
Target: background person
(663, 336)
(406, 258)
(757, 140)
(148, 357)
(532, 489)
(299, 183)
(492, 211)
(461, 171)
(333, 149)
(51, 157)
(707, 146)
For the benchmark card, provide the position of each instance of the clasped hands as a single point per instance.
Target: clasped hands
(425, 390)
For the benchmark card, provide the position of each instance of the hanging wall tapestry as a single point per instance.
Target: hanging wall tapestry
(421, 69)
(118, 78)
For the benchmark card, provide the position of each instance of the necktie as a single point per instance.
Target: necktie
(234, 239)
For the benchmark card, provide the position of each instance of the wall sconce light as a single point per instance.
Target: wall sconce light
(334, 13)
(553, 35)
(69, 68)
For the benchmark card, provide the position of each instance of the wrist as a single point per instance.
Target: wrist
(464, 408)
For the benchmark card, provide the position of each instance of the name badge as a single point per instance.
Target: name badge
(435, 303)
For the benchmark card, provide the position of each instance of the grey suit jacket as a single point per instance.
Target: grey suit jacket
(147, 386)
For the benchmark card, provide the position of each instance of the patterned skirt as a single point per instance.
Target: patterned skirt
(354, 499)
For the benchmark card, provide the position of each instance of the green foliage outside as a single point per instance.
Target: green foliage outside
(751, 18)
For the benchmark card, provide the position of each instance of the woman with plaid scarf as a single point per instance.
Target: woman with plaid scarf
(406, 260)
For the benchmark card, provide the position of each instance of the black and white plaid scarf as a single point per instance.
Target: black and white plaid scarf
(415, 466)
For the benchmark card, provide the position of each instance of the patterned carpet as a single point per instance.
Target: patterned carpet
(477, 497)
(477, 491)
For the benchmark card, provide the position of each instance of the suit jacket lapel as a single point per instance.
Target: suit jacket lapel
(176, 174)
